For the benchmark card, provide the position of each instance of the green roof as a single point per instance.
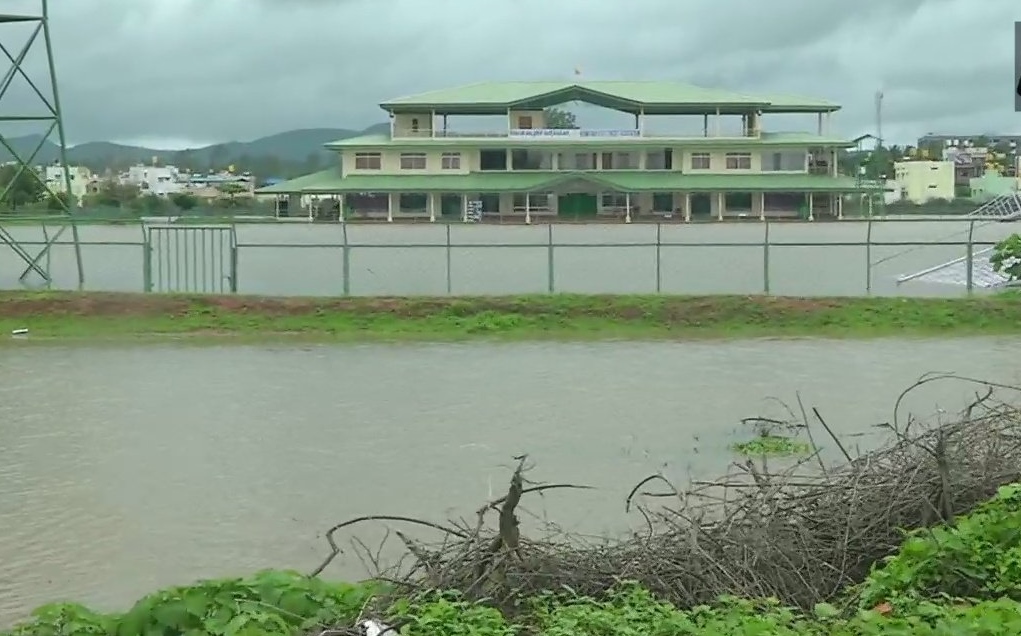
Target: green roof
(329, 181)
(766, 139)
(664, 98)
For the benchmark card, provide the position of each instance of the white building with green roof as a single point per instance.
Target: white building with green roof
(530, 171)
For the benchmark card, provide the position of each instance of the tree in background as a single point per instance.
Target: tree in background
(149, 204)
(22, 187)
(559, 119)
(112, 195)
(230, 191)
(184, 201)
(59, 202)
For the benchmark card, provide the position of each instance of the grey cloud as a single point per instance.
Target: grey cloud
(238, 69)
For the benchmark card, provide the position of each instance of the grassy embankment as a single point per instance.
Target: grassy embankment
(115, 316)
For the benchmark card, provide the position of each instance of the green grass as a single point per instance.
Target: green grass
(562, 317)
(771, 446)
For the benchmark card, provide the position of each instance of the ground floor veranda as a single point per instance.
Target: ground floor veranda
(528, 207)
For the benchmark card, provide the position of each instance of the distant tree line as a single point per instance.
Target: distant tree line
(24, 193)
(206, 161)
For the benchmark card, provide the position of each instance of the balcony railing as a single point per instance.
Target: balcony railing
(428, 134)
(548, 134)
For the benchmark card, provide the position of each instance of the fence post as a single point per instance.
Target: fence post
(550, 278)
(450, 281)
(659, 258)
(765, 261)
(233, 259)
(970, 258)
(868, 256)
(146, 261)
(345, 250)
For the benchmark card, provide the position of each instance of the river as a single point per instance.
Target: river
(123, 469)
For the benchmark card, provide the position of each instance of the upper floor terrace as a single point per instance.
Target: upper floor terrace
(521, 112)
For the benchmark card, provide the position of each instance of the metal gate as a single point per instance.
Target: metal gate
(191, 259)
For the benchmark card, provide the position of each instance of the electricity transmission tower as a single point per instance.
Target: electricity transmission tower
(26, 42)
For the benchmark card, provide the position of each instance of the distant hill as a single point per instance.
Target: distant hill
(288, 149)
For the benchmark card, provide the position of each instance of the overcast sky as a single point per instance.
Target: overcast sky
(190, 72)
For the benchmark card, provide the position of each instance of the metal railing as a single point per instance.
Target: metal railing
(797, 259)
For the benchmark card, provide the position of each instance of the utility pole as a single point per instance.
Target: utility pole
(20, 36)
(879, 118)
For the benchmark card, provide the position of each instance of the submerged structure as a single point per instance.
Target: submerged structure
(538, 165)
(20, 37)
(975, 270)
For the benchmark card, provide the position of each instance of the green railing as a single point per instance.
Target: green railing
(192, 258)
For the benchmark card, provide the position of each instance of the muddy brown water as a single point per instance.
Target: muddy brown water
(123, 469)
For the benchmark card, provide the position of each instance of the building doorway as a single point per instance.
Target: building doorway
(451, 206)
(578, 205)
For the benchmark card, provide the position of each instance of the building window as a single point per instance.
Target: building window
(585, 161)
(413, 161)
(614, 200)
(450, 161)
(620, 161)
(525, 122)
(739, 161)
(701, 161)
(787, 161)
(368, 161)
(659, 160)
(414, 125)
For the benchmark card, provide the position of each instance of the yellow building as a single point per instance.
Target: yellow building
(534, 169)
(923, 181)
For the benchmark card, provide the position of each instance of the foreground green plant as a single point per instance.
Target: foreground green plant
(269, 603)
(978, 556)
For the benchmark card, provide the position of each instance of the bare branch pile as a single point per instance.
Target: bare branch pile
(801, 534)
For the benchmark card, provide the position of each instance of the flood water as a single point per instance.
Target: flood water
(307, 259)
(126, 469)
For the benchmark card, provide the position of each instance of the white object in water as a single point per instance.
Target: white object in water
(19, 332)
(374, 628)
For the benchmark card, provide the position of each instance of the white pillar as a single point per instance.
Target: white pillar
(390, 207)
(720, 202)
(716, 124)
(431, 203)
(313, 204)
(464, 208)
(687, 207)
(528, 209)
(840, 206)
(340, 208)
(627, 207)
(432, 123)
(761, 198)
(811, 211)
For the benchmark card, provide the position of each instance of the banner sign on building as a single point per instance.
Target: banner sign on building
(572, 133)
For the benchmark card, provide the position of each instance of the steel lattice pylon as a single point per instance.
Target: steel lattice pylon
(46, 112)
